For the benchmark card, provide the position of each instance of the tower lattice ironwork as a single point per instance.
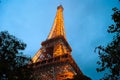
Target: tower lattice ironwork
(53, 61)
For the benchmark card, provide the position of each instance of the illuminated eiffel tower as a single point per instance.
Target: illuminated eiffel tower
(53, 61)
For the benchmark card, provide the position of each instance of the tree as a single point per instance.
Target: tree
(110, 55)
(12, 59)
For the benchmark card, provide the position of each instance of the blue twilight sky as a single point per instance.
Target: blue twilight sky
(86, 22)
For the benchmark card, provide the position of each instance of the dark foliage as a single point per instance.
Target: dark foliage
(12, 59)
(110, 55)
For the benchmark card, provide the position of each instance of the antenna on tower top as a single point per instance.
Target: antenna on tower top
(59, 2)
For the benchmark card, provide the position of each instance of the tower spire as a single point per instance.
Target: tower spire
(58, 25)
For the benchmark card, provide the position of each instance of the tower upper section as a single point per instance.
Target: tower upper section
(58, 25)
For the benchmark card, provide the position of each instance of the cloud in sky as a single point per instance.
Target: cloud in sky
(86, 22)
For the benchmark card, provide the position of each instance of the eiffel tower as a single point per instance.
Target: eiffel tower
(54, 61)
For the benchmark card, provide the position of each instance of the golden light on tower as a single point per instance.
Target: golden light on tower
(53, 60)
(58, 25)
